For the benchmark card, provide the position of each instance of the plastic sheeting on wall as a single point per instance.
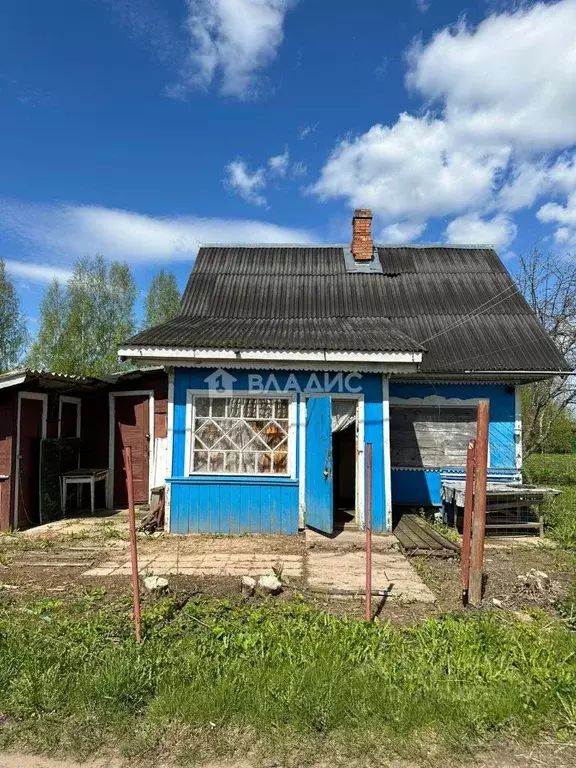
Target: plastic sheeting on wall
(343, 414)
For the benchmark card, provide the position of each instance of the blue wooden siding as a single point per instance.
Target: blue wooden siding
(237, 504)
(422, 487)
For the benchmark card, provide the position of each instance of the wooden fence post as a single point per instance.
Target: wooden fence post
(467, 524)
(127, 453)
(479, 508)
(368, 526)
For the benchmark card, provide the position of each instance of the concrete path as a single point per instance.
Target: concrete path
(330, 565)
(207, 564)
(332, 571)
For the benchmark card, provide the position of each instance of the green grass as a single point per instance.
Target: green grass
(558, 471)
(72, 678)
(552, 469)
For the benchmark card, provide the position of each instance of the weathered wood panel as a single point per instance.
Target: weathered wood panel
(430, 436)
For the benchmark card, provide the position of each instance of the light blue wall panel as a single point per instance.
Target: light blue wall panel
(422, 487)
(236, 504)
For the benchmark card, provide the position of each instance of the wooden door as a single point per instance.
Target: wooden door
(132, 425)
(30, 433)
(319, 474)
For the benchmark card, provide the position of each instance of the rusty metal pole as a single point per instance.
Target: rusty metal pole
(467, 524)
(127, 453)
(479, 509)
(368, 525)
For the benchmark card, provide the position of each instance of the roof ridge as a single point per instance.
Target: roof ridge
(446, 246)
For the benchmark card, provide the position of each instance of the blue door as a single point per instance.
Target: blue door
(319, 508)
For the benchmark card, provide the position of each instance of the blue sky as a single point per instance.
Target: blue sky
(138, 128)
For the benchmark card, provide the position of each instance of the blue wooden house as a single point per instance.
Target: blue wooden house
(287, 360)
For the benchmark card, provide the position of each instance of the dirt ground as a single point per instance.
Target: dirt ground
(53, 560)
(511, 756)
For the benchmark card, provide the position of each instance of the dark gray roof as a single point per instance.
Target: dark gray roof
(458, 303)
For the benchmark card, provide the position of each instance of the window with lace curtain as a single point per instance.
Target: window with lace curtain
(240, 435)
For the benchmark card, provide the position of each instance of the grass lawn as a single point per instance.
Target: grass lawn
(558, 471)
(221, 677)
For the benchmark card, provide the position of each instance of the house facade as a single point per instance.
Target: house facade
(289, 365)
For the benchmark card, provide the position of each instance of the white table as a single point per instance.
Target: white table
(82, 477)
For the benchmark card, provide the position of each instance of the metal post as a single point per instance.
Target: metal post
(368, 525)
(127, 453)
(479, 509)
(467, 524)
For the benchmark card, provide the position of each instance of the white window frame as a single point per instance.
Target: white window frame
(190, 420)
(74, 401)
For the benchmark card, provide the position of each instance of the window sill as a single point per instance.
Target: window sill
(233, 480)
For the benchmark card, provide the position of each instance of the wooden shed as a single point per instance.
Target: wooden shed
(51, 423)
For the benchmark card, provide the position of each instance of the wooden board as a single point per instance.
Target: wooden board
(417, 537)
(430, 436)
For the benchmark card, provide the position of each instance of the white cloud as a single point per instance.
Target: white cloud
(564, 216)
(306, 130)
(278, 164)
(510, 79)
(52, 232)
(250, 184)
(402, 232)
(233, 40)
(40, 273)
(474, 230)
(240, 180)
(500, 102)
(423, 5)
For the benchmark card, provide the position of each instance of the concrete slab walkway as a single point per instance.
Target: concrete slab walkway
(332, 571)
(206, 564)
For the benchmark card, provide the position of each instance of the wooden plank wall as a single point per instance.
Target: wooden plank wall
(234, 505)
(7, 446)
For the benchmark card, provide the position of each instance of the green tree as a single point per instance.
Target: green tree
(83, 324)
(48, 352)
(13, 331)
(162, 299)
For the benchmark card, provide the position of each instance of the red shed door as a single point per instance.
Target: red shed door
(30, 433)
(132, 425)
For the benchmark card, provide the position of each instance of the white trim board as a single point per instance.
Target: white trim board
(257, 355)
(112, 437)
(188, 444)
(169, 448)
(518, 452)
(27, 396)
(78, 403)
(387, 455)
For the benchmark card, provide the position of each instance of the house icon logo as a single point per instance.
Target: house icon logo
(220, 382)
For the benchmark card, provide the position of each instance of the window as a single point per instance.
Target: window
(431, 435)
(240, 435)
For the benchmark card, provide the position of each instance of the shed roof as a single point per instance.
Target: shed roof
(458, 304)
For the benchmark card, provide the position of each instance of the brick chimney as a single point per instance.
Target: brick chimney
(362, 244)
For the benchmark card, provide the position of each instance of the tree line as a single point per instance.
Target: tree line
(83, 320)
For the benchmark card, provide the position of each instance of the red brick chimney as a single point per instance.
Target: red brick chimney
(362, 244)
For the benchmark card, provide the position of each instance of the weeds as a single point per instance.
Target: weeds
(550, 468)
(70, 671)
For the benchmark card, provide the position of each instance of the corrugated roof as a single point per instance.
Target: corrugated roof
(459, 303)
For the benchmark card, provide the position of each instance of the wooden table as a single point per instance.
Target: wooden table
(82, 477)
(508, 505)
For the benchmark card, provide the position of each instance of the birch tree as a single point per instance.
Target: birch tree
(13, 331)
(162, 300)
(548, 282)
